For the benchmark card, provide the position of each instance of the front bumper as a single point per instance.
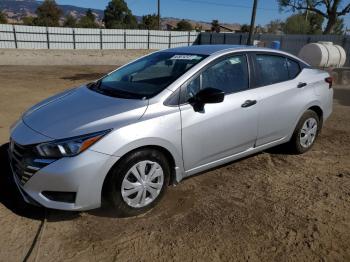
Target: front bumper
(83, 174)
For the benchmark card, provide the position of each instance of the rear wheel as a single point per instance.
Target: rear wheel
(138, 182)
(306, 132)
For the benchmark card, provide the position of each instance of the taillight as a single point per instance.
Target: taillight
(329, 80)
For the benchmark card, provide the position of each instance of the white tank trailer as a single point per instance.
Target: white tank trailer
(323, 54)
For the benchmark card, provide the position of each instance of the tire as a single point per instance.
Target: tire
(302, 141)
(129, 194)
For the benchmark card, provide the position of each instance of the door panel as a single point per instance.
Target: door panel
(279, 106)
(222, 130)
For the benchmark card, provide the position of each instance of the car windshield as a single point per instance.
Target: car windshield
(147, 76)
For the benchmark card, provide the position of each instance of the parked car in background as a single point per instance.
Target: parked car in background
(166, 116)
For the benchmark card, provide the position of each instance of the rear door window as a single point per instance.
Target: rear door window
(271, 69)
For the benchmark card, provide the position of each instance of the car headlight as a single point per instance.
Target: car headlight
(69, 147)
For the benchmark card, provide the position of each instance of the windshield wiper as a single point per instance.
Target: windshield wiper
(98, 87)
(120, 93)
(98, 84)
(95, 85)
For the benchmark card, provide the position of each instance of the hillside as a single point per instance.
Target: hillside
(15, 10)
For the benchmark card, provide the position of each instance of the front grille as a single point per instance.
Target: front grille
(24, 161)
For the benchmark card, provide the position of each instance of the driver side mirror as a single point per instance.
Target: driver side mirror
(206, 96)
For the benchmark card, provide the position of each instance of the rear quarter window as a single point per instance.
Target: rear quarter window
(293, 68)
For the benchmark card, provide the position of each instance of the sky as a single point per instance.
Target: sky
(229, 11)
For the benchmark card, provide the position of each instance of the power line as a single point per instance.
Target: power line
(227, 5)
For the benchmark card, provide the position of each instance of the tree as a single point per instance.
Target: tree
(118, 15)
(70, 21)
(275, 26)
(315, 21)
(259, 29)
(339, 27)
(297, 24)
(198, 27)
(88, 21)
(329, 9)
(149, 22)
(304, 23)
(184, 25)
(3, 19)
(215, 26)
(28, 20)
(48, 14)
(245, 28)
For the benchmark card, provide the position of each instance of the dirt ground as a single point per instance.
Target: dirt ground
(272, 206)
(65, 57)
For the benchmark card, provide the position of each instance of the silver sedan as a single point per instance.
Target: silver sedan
(166, 116)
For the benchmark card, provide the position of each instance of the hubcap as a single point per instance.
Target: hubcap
(308, 132)
(142, 184)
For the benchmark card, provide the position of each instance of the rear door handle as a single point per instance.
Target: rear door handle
(248, 103)
(301, 85)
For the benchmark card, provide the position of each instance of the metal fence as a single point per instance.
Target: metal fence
(35, 37)
(289, 43)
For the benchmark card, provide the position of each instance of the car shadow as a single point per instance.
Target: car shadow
(342, 95)
(11, 198)
(283, 149)
(106, 212)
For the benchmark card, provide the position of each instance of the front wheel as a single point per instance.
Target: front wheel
(306, 132)
(138, 182)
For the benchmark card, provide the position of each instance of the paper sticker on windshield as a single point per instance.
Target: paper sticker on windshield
(235, 60)
(185, 57)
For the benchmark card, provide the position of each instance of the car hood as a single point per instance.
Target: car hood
(82, 111)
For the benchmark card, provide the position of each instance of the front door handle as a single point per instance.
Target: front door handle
(248, 103)
(301, 85)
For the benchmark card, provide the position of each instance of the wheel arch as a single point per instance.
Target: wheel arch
(318, 110)
(314, 106)
(175, 164)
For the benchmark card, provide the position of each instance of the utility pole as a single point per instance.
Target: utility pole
(252, 24)
(158, 14)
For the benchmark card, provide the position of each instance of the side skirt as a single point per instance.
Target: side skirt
(231, 158)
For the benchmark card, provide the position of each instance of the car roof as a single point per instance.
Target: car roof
(221, 49)
(204, 49)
